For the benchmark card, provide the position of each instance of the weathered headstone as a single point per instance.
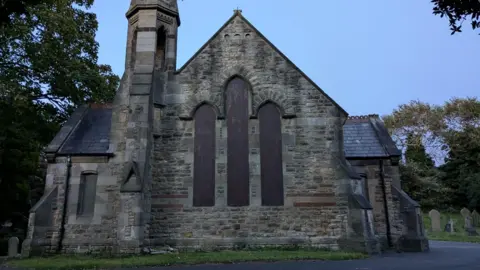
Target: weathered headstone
(435, 218)
(13, 243)
(476, 218)
(465, 212)
(449, 226)
(469, 228)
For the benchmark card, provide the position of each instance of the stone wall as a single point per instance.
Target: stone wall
(377, 193)
(43, 232)
(92, 233)
(316, 205)
(95, 232)
(392, 178)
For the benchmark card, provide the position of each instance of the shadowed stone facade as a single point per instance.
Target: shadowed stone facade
(122, 176)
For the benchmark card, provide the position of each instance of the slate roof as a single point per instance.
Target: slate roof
(367, 137)
(87, 132)
(88, 129)
(91, 136)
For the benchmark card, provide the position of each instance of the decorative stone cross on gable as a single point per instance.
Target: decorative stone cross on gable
(238, 10)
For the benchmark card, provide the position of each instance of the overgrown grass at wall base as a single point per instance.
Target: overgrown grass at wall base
(460, 235)
(84, 262)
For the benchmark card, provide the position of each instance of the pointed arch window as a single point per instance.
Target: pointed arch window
(237, 115)
(271, 167)
(204, 156)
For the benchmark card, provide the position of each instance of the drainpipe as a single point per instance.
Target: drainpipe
(65, 203)
(385, 204)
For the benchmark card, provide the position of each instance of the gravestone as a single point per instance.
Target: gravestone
(435, 218)
(449, 226)
(13, 243)
(469, 228)
(465, 212)
(476, 218)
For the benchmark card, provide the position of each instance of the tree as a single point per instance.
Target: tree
(48, 66)
(416, 155)
(22, 136)
(457, 12)
(10, 8)
(419, 175)
(432, 123)
(451, 132)
(51, 57)
(461, 171)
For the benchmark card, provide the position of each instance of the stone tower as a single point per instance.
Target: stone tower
(149, 67)
(152, 34)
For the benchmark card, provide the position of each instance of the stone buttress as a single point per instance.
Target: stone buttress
(125, 177)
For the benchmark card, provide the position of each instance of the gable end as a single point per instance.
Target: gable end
(238, 13)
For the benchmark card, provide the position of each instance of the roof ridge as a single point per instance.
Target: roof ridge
(365, 116)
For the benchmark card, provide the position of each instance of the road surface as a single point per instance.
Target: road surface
(442, 256)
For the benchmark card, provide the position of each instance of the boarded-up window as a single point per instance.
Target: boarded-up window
(87, 194)
(204, 157)
(271, 155)
(237, 143)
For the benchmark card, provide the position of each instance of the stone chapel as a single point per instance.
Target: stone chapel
(236, 148)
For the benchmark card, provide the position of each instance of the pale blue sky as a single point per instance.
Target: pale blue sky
(370, 56)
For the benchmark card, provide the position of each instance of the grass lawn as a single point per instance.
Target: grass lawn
(84, 262)
(458, 236)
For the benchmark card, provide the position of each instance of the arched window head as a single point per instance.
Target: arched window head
(237, 114)
(271, 154)
(204, 156)
(239, 85)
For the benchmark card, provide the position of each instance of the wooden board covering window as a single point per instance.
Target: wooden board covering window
(204, 157)
(271, 155)
(238, 192)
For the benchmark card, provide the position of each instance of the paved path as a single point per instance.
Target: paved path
(442, 256)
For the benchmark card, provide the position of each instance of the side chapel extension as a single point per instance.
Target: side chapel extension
(237, 114)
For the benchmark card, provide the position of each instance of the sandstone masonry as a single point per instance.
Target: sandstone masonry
(121, 176)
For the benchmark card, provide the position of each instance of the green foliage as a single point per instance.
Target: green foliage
(48, 66)
(458, 11)
(22, 135)
(51, 56)
(9, 8)
(418, 175)
(415, 154)
(461, 171)
(425, 190)
(191, 258)
(451, 129)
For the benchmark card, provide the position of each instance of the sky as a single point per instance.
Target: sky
(369, 56)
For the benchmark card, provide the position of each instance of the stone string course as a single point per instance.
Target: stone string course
(159, 138)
